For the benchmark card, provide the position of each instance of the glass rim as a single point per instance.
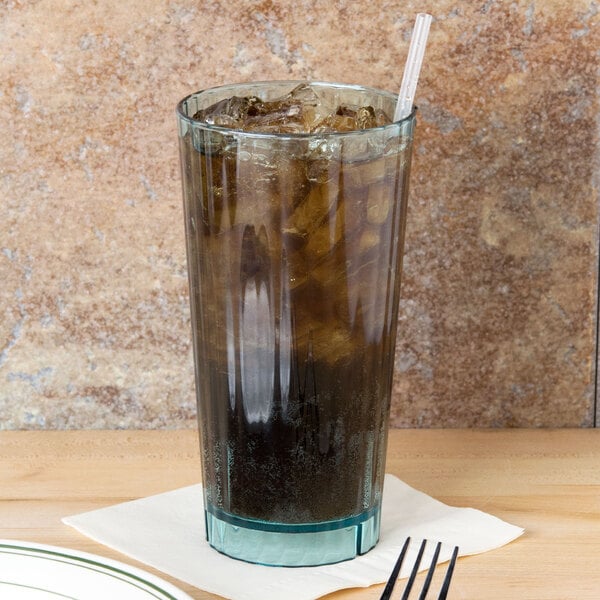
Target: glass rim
(283, 135)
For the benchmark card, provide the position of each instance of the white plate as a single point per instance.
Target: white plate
(38, 572)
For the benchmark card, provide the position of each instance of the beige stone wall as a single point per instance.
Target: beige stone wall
(498, 311)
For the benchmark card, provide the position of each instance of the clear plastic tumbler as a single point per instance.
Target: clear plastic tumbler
(294, 247)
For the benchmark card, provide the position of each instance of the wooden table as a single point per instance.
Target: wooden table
(545, 481)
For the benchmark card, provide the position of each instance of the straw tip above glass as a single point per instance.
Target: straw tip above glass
(412, 69)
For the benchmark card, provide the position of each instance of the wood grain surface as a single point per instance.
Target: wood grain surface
(547, 481)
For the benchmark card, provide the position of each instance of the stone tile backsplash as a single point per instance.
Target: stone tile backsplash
(497, 322)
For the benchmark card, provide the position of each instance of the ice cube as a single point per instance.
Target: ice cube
(331, 123)
(229, 111)
(291, 113)
(299, 111)
(324, 239)
(364, 173)
(369, 239)
(332, 343)
(352, 118)
(378, 203)
(317, 205)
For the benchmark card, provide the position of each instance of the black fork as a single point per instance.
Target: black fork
(387, 592)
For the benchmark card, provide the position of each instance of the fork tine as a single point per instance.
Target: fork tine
(429, 577)
(389, 588)
(449, 571)
(414, 571)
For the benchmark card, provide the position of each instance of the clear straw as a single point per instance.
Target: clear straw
(413, 66)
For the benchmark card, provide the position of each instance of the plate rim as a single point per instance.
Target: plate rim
(78, 558)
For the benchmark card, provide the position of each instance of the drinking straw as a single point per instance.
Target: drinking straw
(412, 68)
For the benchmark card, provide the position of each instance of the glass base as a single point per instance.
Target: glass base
(299, 545)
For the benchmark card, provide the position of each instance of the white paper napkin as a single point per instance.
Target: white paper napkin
(167, 532)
